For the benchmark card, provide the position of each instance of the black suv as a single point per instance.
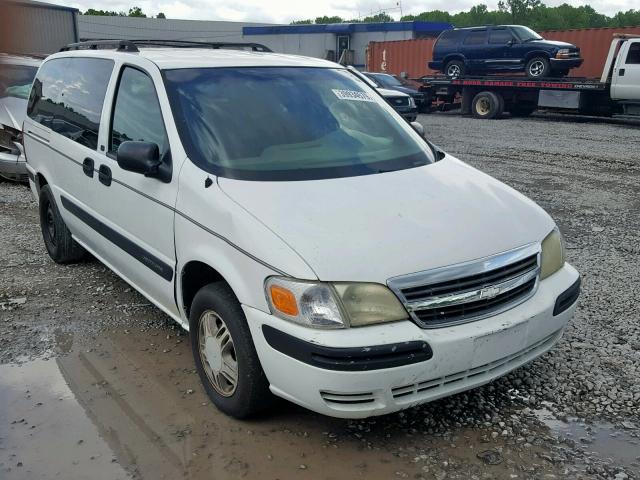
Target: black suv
(504, 48)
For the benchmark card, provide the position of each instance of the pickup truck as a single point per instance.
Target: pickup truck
(615, 93)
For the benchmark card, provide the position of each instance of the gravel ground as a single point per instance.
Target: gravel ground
(126, 369)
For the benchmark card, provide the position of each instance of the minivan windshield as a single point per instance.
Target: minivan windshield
(387, 80)
(288, 123)
(525, 34)
(16, 80)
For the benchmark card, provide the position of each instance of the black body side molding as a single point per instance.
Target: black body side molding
(348, 359)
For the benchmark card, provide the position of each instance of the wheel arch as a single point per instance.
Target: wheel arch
(453, 56)
(536, 53)
(194, 275)
(41, 181)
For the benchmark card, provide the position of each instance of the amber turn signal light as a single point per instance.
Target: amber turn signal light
(283, 300)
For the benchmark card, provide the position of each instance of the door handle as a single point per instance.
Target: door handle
(87, 167)
(621, 72)
(104, 175)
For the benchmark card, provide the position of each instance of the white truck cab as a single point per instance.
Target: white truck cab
(624, 53)
(313, 243)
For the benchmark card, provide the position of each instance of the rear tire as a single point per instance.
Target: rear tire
(538, 67)
(454, 69)
(487, 105)
(62, 248)
(224, 353)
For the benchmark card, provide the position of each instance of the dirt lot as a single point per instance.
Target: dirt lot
(96, 383)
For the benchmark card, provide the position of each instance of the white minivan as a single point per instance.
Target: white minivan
(313, 243)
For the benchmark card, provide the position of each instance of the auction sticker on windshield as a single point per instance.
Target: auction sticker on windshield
(352, 95)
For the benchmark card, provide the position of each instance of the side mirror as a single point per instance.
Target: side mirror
(417, 126)
(511, 42)
(144, 158)
(437, 152)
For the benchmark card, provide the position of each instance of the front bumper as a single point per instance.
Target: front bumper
(463, 356)
(408, 113)
(13, 167)
(565, 63)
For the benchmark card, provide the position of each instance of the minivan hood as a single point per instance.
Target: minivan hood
(12, 111)
(373, 227)
(385, 92)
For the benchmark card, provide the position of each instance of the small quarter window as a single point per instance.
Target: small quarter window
(136, 113)
(449, 38)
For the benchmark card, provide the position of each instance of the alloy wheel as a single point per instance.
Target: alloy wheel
(536, 68)
(217, 353)
(453, 71)
(50, 226)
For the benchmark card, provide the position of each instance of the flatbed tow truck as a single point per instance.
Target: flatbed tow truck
(615, 93)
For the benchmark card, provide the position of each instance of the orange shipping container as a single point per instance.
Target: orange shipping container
(412, 56)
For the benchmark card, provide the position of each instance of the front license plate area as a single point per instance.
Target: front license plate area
(499, 344)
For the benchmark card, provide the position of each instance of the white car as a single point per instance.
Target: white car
(314, 244)
(16, 75)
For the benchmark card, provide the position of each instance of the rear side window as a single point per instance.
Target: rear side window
(500, 37)
(67, 96)
(476, 38)
(633, 57)
(136, 113)
(449, 38)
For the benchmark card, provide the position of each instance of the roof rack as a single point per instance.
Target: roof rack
(132, 45)
(120, 45)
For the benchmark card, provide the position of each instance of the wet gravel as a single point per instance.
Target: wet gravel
(554, 418)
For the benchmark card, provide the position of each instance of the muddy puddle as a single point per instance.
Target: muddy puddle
(121, 407)
(618, 444)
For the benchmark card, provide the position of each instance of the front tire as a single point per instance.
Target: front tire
(62, 248)
(454, 69)
(224, 354)
(538, 67)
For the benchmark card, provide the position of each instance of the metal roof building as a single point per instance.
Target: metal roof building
(321, 41)
(130, 28)
(332, 41)
(36, 27)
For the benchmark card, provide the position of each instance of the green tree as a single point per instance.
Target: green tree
(161, 15)
(302, 22)
(377, 18)
(104, 13)
(325, 19)
(136, 12)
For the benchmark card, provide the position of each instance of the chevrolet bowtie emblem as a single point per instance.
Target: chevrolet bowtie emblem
(489, 292)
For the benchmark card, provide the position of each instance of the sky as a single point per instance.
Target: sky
(284, 11)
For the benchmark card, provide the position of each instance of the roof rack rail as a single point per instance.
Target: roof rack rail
(256, 47)
(120, 45)
(132, 45)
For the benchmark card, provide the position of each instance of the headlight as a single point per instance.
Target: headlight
(552, 256)
(563, 53)
(332, 305)
(10, 139)
(412, 102)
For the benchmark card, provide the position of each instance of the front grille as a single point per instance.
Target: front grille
(470, 291)
(445, 315)
(399, 101)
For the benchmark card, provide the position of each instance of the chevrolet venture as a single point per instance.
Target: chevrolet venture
(282, 212)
